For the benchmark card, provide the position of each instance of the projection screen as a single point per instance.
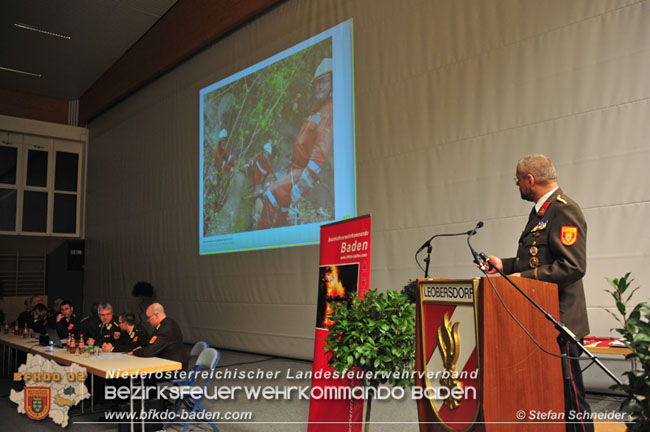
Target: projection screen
(277, 155)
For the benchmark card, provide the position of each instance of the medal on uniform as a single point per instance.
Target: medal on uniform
(540, 226)
(533, 250)
(534, 262)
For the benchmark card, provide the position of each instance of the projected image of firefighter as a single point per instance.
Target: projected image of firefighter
(284, 199)
(336, 284)
(256, 138)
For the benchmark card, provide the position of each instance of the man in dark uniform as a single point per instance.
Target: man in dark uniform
(553, 248)
(27, 316)
(166, 341)
(89, 323)
(66, 321)
(39, 319)
(133, 335)
(108, 330)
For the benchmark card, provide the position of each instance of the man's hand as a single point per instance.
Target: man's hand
(59, 317)
(134, 350)
(493, 262)
(107, 347)
(91, 341)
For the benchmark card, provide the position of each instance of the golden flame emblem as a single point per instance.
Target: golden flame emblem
(449, 343)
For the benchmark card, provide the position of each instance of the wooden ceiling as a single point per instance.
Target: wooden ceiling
(106, 65)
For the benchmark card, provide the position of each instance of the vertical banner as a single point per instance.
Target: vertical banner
(344, 269)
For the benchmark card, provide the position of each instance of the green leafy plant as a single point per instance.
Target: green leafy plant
(375, 334)
(409, 290)
(635, 331)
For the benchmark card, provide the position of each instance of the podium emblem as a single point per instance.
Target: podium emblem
(449, 351)
(37, 402)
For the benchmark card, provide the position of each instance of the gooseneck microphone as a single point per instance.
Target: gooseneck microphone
(471, 232)
(478, 226)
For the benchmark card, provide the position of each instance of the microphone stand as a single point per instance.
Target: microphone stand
(428, 259)
(565, 334)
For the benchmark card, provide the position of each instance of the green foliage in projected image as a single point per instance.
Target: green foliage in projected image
(265, 106)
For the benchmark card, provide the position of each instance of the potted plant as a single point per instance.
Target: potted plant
(376, 334)
(635, 332)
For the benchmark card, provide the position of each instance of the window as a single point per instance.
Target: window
(40, 183)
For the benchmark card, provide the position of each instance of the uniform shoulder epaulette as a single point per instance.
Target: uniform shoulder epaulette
(560, 199)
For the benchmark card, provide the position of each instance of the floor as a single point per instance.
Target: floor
(265, 415)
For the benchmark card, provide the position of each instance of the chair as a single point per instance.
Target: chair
(209, 358)
(195, 352)
(192, 375)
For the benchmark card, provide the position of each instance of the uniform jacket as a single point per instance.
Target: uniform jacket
(553, 248)
(165, 342)
(65, 326)
(314, 140)
(110, 333)
(129, 341)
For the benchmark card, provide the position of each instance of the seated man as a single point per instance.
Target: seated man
(166, 341)
(27, 315)
(133, 336)
(107, 331)
(89, 323)
(39, 320)
(66, 321)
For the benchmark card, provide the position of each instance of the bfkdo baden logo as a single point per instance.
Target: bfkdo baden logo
(37, 402)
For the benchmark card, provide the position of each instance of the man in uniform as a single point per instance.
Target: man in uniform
(166, 341)
(310, 153)
(66, 321)
(553, 248)
(107, 331)
(27, 316)
(39, 319)
(133, 335)
(259, 168)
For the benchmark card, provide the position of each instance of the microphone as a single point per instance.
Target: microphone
(426, 244)
(478, 226)
(469, 233)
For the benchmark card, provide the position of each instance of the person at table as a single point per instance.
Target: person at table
(89, 323)
(39, 319)
(133, 335)
(27, 315)
(108, 330)
(66, 321)
(166, 341)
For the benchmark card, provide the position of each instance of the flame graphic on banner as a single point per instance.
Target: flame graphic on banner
(333, 283)
(334, 291)
(328, 310)
(449, 342)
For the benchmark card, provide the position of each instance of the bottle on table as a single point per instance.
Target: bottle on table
(25, 332)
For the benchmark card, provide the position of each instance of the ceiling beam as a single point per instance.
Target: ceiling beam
(186, 28)
(35, 107)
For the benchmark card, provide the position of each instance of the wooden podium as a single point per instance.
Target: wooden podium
(515, 376)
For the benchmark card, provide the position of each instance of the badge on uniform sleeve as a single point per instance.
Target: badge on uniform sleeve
(569, 235)
(70, 326)
(153, 339)
(116, 335)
